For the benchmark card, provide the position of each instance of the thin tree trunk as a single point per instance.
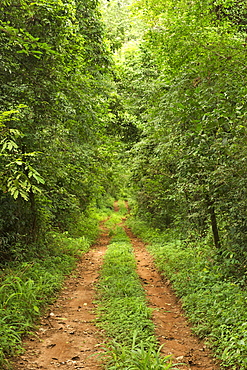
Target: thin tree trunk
(214, 224)
(33, 216)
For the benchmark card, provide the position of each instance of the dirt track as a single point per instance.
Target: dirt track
(68, 337)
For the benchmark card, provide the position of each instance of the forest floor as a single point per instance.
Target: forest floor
(68, 338)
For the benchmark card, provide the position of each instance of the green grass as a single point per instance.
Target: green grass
(216, 305)
(123, 313)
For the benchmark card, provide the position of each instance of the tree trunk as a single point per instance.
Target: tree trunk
(33, 216)
(214, 224)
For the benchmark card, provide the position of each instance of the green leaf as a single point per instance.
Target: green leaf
(36, 309)
(15, 193)
(38, 178)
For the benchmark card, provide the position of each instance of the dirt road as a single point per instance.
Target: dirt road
(68, 338)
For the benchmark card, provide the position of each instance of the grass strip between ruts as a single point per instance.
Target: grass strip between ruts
(123, 313)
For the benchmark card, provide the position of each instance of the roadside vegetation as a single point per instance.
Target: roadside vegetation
(214, 303)
(123, 313)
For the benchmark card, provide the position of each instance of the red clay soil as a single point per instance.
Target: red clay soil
(67, 337)
(172, 329)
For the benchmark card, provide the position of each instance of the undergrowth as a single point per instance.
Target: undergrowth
(123, 313)
(216, 305)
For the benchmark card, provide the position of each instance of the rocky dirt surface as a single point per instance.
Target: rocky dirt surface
(68, 338)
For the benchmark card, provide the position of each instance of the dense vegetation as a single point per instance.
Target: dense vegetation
(54, 91)
(157, 93)
(185, 84)
(216, 306)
